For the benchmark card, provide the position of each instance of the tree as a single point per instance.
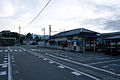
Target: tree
(37, 39)
(15, 35)
(29, 36)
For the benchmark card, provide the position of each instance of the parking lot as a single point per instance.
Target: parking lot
(98, 60)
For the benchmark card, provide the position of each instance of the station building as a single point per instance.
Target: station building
(80, 40)
(111, 43)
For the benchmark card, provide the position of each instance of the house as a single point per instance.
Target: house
(75, 40)
(7, 41)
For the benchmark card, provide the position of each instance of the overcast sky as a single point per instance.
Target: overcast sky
(97, 15)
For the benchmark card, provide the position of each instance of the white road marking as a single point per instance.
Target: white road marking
(11, 50)
(61, 66)
(110, 72)
(1, 50)
(5, 61)
(51, 62)
(13, 60)
(79, 71)
(9, 67)
(95, 78)
(24, 50)
(4, 66)
(6, 50)
(45, 59)
(5, 58)
(105, 66)
(15, 50)
(12, 57)
(3, 73)
(104, 62)
(20, 50)
(76, 73)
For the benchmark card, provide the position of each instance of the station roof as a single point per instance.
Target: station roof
(110, 34)
(74, 32)
(113, 37)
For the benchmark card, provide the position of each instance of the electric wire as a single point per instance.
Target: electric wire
(37, 14)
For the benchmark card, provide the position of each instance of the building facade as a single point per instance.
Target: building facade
(80, 40)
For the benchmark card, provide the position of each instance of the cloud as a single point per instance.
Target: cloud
(61, 14)
(113, 25)
(6, 8)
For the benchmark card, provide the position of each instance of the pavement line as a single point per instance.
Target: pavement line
(6, 50)
(103, 62)
(110, 72)
(11, 50)
(5, 58)
(3, 64)
(51, 62)
(95, 78)
(45, 59)
(61, 66)
(3, 73)
(76, 73)
(4, 61)
(20, 50)
(1, 50)
(88, 75)
(9, 67)
(15, 50)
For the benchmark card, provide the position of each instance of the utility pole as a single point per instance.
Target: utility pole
(43, 29)
(19, 35)
(44, 36)
(49, 30)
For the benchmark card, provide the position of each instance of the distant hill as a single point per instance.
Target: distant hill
(42, 36)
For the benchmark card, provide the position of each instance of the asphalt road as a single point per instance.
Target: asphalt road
(34, 63)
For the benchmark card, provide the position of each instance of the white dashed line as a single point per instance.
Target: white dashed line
(5, 61)
(11, 50)
(4, 66)
(3, 73)
(1, 50)
(51, 62)
(13, 60)
(20, 50)
(45, 59)
(12, 57)
(5, 58)
(76, 73)
(6, 50)
(15, 50)
(61, 66)
(110, 72)
(105, 66)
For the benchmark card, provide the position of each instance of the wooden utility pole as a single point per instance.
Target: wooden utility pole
(19, 35)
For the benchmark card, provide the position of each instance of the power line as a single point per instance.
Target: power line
(37, 14)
